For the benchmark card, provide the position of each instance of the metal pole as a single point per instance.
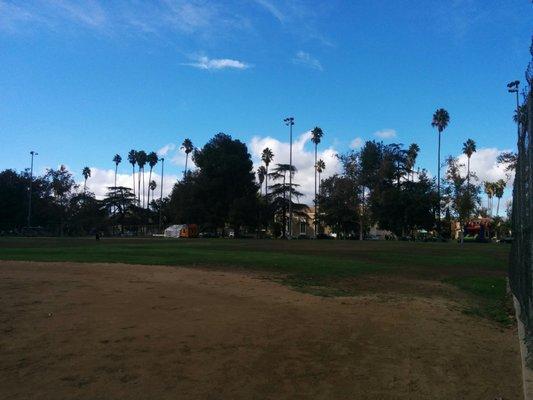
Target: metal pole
(33, 153)
(291, 123)
(161, 196)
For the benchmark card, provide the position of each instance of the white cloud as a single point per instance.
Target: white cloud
(386, 133)
(163, 151)
(303, 159)
(484, 163)
(356, 143)
(204, 62)
(101, 179)
(303, 58)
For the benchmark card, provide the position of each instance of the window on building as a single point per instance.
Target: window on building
(303, 228)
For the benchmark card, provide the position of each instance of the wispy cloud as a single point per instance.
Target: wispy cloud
(272, 9)
(386, 133)
(204, 62)
(356, 143)
(305, 59)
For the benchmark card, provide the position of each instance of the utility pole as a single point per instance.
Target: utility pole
(33, 153)
(290, 122)
(161, 196)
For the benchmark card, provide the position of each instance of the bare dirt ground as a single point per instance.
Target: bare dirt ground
(108, 331)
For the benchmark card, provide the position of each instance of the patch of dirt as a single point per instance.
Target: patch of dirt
(86, 331)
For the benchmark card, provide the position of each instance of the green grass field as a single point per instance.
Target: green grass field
(328, 268)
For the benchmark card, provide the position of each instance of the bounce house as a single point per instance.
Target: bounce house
(478, 230)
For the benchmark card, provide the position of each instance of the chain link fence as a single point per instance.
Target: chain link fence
(520, 268)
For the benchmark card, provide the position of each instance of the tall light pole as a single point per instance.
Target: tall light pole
(512, 87)
(161, 196)
(290, 122)
(33, 153)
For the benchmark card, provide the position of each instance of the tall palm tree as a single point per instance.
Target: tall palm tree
(267, 156)
(188, 147)
(320, 167)
(489, 191)
(117, 160)
(132, 159)
(316, 137)
(141, 162)
(412, 154)
(152, 162)
(152, 186)
(498, 192)
(261, 174)
(440, 120)
(86, 174)
(469, 148)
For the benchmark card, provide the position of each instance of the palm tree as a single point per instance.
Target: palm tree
(498, 192)
(152, 186)
(132, 159)
(261, 174)
(141, 162)
(267, 156)
(152, 162)
(320, 166)
(117, 160)
(469, 148)
(188, 147)
(441, 119)
(86, 174)
(412, 154)
(316, 137)
(489, 191)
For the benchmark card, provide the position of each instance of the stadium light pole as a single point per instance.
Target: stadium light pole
(290, 122)
(161, 196)
(512, 87)
(33, 154)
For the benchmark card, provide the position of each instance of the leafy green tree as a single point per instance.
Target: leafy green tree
(279, 198)
(462, 198)
(340, 204)
(62, 185)
(267, 156)
(225, 180)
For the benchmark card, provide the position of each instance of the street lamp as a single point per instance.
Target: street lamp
(161, 196)
(512, 87)
(33, 153)
(290, 122)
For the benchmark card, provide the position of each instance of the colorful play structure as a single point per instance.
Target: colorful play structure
(478, 230)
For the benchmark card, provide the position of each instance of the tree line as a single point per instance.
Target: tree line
(379, 184)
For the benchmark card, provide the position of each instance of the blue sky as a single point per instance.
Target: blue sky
(83, 80)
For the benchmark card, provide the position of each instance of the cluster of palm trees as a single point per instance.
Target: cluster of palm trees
(281, 170)
(141, 159)
(142, 191)
(494, 189)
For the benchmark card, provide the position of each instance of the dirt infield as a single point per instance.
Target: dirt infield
(108, 331)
